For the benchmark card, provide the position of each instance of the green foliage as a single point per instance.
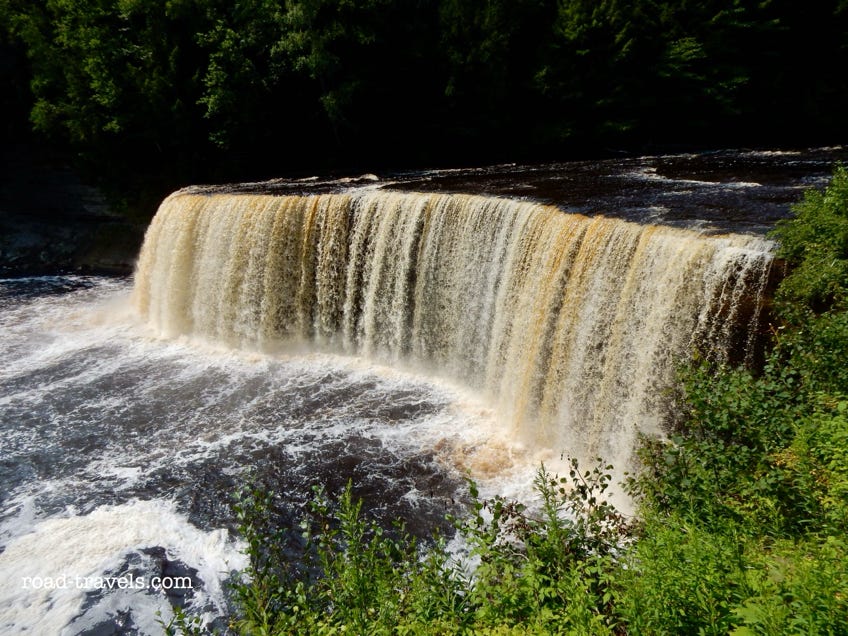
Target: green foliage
(549, 573)
(181, 624)
(101, 68)
(798, 588)
(681, 579)
(238, 46)
(346, 574)
(534, 574)
(744, 529)
(113, 81)
(747, 504)
(718, 469)
(203, 89)
(815, 242)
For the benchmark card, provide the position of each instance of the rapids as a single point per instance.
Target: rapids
(404, 332)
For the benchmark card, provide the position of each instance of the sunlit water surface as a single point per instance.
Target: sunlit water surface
(121, 453)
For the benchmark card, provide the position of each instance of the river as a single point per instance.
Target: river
(126, 430)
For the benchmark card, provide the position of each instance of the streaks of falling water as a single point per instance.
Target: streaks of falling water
(572, 325)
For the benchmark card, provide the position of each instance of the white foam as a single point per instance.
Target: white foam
(67, 550)
(650, 174)
(223, 399)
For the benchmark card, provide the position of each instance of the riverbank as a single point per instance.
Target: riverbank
(50, 221)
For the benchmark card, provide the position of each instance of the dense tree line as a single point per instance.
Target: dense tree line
(208, 89)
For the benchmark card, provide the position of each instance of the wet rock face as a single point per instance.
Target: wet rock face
(50, 221)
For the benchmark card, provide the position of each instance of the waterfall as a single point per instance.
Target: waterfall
(573, 327)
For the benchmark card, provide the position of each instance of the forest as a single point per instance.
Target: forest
(147, 95)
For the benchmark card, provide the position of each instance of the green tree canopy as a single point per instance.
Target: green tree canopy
(207, 89)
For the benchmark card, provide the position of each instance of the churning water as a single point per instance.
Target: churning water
(121, 452)
(403, 339)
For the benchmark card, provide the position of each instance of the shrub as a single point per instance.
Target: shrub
(744, 510)
(681, 579)
(815, 243)
(535, 573)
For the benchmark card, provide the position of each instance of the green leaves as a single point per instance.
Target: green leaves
(339, 572)
(815, 243)
(546, 573)
(747, 506)
(205, 89)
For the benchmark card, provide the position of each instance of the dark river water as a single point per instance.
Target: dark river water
(120, 451)
(720, 191)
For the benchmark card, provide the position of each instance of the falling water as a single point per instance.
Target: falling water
(571, 327)
(358, 329)
(399, 339)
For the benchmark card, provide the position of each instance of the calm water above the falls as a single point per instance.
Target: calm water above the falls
(727, 190)
(120, 448)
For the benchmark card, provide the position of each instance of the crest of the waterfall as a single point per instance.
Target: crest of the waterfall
(573, 326)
